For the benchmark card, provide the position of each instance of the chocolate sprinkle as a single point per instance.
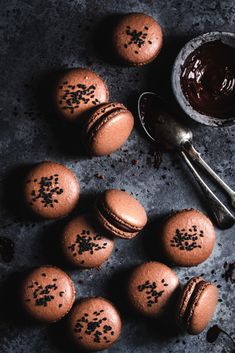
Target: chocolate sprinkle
(87, 243)
(42, 295)
(187, 240)
(74, 96)
(93, 325)
(48, 188)
(151, 292)
(137, 38)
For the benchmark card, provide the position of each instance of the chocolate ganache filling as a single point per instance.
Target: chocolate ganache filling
(208, 79)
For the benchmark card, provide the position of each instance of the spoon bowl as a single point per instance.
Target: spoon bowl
(160, 125)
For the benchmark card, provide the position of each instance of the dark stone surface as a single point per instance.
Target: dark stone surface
(38, 39)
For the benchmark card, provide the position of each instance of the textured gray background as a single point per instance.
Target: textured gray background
(38, 38)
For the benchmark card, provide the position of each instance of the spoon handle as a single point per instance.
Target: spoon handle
(195, 155)
(223, 216)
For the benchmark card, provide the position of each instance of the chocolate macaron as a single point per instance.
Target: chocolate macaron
(47, 294)
(85, 243)
(77, 91)
(188, 237)
(196, 305)
(152, 288)
(107, 129)
(94, 324)
(120, 213)
(51, 190)
(137, 39)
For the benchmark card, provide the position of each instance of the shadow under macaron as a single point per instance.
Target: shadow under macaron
(67, 135)
(11, 309)
(151, 239)
(102, 38)
(12, 193)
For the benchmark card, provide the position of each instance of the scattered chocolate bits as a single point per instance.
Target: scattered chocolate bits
(99, 176)
(229, 270)
(48, 190)
(7, 249)
(134, 161)
(187, 240)
(86, 242)
(94, 326)
(74, 96)
(151, 291)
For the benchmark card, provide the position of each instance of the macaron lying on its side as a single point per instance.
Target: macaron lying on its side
(196, 305)
(120, 213)
(107, 129)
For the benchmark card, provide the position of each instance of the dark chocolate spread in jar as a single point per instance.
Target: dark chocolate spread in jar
(208, 79)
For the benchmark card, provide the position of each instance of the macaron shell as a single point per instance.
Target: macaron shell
(96, 311)
(184, 298)
(84, 83)
(151, 288)
(111, 132)
(199, 244)
(127, 49)
(99, 112)
(63, 199)
(35, 290)
(85, 243)
(125, 208)
(203, 307)
(111, 228)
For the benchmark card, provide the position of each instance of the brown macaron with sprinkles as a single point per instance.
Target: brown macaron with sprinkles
(152, 288)
(77, 91)
(94, 324)
(51, 190)
(84, 243)
(188, 237)
(47, 294)
(196, 305)
(120, 213)
(107, 129)
(137, 39)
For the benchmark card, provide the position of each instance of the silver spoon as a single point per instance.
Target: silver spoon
(173, 135)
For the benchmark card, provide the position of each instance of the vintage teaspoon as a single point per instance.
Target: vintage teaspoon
(163, 128)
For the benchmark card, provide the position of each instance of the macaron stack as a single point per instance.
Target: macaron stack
(51, 190)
